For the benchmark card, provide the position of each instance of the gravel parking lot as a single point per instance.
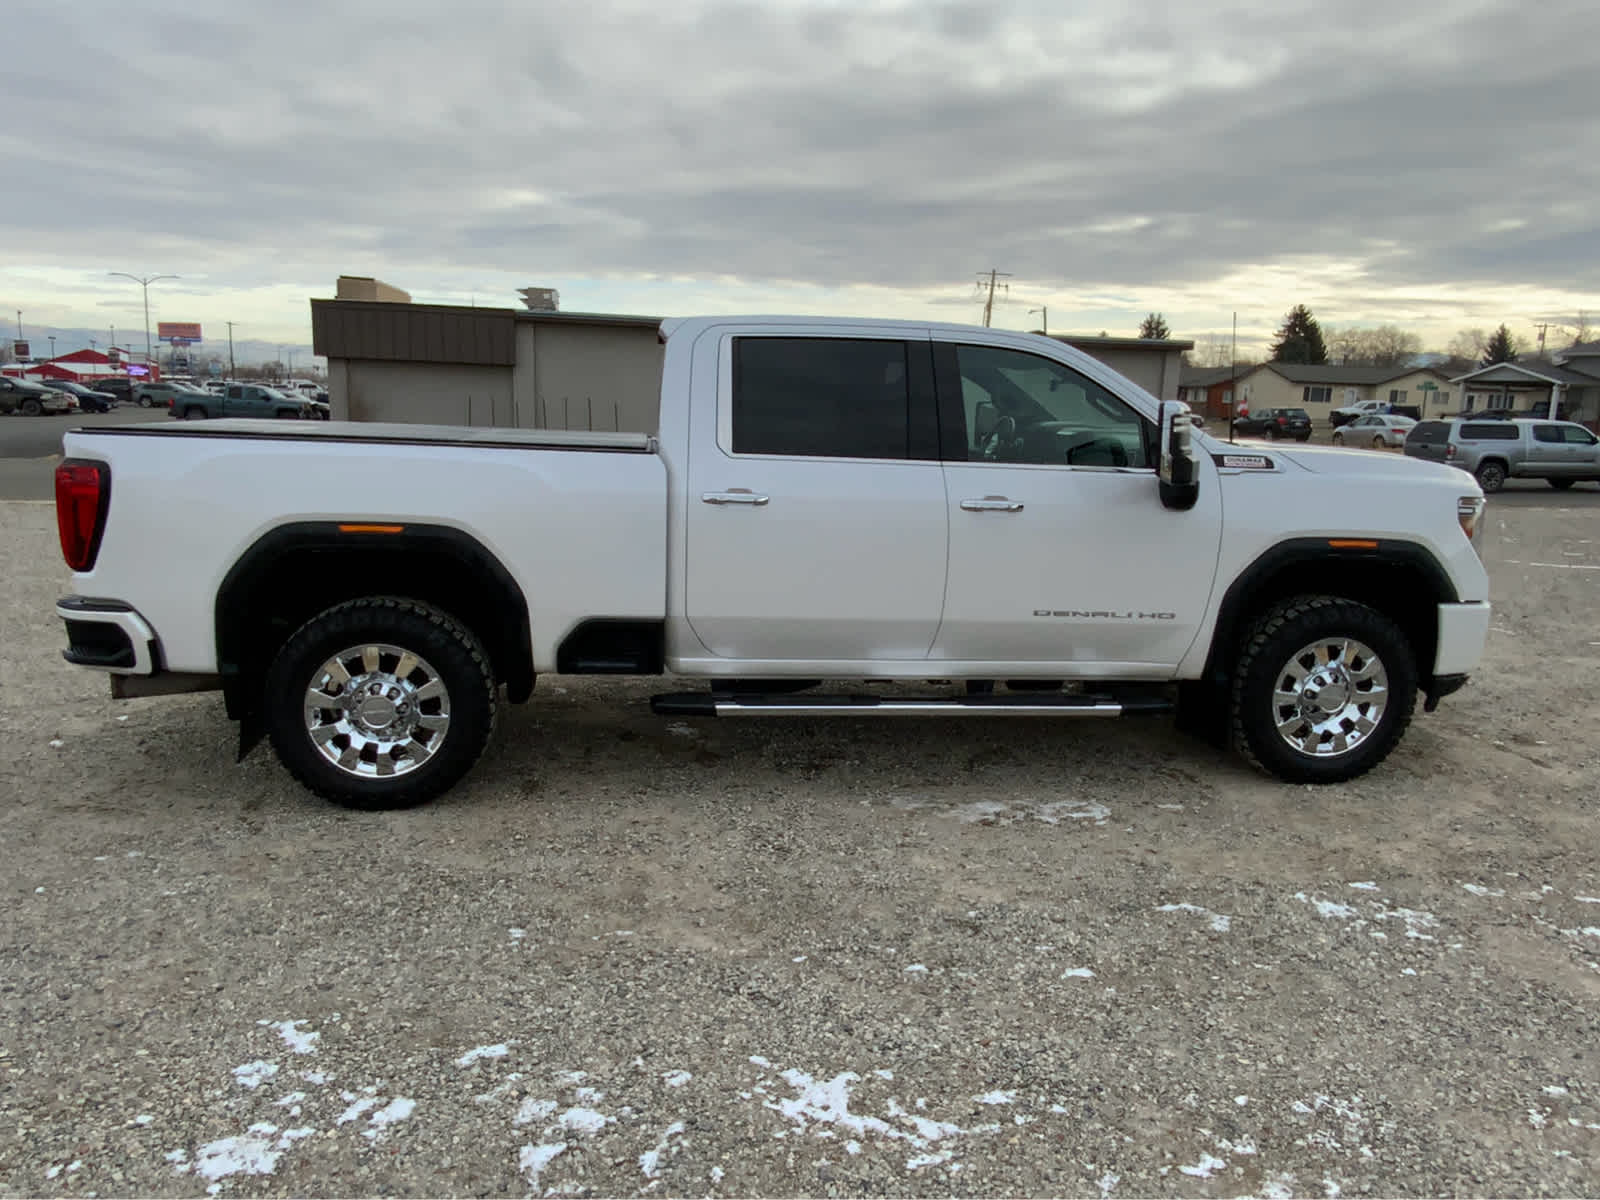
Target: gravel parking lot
(635, 956)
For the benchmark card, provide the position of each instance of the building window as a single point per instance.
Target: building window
(1317, 395)
(1397, 395)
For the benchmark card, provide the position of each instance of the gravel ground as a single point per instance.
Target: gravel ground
(638, 956)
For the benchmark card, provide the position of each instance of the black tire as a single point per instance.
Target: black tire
(194, 413)
(1379, 444)
(1269, 652)
(144, 401)
(1338, 438)
(454, 653)
(1491, 477)
(1562, 485)
(32, 408)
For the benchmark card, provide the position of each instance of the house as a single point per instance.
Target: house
(1209, 390)
(1321, 389)
(1567, 388)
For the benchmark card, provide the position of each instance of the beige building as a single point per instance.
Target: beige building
(389, 360)
(1321, 389)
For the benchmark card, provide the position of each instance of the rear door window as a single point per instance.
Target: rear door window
(821, 397)
(1547, 433)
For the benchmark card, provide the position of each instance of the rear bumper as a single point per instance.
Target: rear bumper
(1463, 629)
(107, 635)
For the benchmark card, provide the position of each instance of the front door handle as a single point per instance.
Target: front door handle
(734, 496)
(992, 504)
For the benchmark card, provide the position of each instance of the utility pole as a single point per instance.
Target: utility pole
(988, 304)
(1044, 319)
(231, 368)
(52, 346)
(1541, 327)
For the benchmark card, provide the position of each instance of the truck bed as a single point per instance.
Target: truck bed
(386, 433)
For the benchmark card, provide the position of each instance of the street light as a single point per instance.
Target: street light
(145, 284)
(52, 346)
(1045, 312)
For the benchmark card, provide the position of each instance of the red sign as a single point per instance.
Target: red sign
(177, 331)
(20, 349)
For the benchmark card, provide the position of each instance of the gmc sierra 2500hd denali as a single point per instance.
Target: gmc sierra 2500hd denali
(826, 499)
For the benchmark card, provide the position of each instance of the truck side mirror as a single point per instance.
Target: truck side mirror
(1179, 472)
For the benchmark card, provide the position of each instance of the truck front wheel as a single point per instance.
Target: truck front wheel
(1323, 690)
(380, 703)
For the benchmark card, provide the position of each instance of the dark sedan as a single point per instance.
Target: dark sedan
(88, 399)
(1275, 423)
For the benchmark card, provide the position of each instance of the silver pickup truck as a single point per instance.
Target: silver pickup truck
(1496, 449)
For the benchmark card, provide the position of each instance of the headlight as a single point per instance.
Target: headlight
(1469, 511)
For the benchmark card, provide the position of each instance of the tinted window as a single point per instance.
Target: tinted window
(1021, 408)
(1574, 433)
(1547, 433)
(1489, 431)
(1428, 431)
(828, 397)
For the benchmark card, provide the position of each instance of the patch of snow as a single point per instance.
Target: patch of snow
(143, 1119)
(1330, 1189)
(716, 1174)
(929, 1160)
(531, 1110)
(532, 1160)
(883, 1074)
(799, 958)
(1536, 1118)
(916, 969)
(254, 1074)
(1366, 885)
(757, 1060)
(996, 1098)
(1107, 1182)
(1408, 970)
(301, 1041)
(1077, 973)
(1278, 1187)
(589, 1095)
(852, 1147)
(583, 1120)
(1328, 909)
(650, 1160)
(499, 1050)
(253, 1153)
(392, 1113)
(676, 1078)
(357, 1108)
(1205, 1168)
(56, 743)
(315, 1078)
(1553, 1089)
(517, 934)
(1219, 923)
(1587, 899)
(291, 1098)
(1477, 889)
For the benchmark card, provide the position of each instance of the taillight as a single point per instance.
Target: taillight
(83, 497)
(1283, 420)
(1450, 451)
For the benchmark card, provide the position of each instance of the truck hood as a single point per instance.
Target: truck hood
(1369, 464)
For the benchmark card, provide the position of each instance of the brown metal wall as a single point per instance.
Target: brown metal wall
(422, 333)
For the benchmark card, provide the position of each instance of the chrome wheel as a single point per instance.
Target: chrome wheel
(376, 711)
(1330, 697)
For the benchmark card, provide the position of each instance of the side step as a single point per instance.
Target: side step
(735, 704)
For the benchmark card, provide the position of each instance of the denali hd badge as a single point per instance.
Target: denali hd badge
(1243, 462)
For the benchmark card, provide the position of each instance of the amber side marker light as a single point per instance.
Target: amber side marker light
(372, 529)
(1352, 544)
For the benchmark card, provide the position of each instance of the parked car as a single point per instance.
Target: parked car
(88, 399)
(366, 593)
(119, 386)
(1275, 423)
(1378, 430)
(162, 394)
(1559, 452)
(1347, 413)
(240, 400)
(31, 399)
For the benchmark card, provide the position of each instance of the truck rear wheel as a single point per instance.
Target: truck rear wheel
(1323, 690)
(380, 703)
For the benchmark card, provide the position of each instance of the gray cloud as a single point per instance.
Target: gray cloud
(1082, 147)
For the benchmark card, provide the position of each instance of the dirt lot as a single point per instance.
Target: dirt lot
(925, 958)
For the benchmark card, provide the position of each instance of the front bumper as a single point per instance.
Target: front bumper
(107, 635)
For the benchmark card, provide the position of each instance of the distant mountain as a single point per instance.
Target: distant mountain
(246, 351)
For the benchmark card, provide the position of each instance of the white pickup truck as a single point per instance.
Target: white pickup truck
(995, 520)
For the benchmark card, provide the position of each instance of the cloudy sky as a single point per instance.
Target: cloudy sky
(1432, 163)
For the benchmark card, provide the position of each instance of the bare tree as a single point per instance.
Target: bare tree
(1383, 346)
(1467, 345)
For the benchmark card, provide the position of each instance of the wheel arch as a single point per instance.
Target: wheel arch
(1401, 579)
(295, 571)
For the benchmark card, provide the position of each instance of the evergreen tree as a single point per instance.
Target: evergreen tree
(1499, 348)
(1300, 339)
(1154, 326)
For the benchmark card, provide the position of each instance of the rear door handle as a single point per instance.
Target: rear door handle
(734, 496)
(992, 504)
